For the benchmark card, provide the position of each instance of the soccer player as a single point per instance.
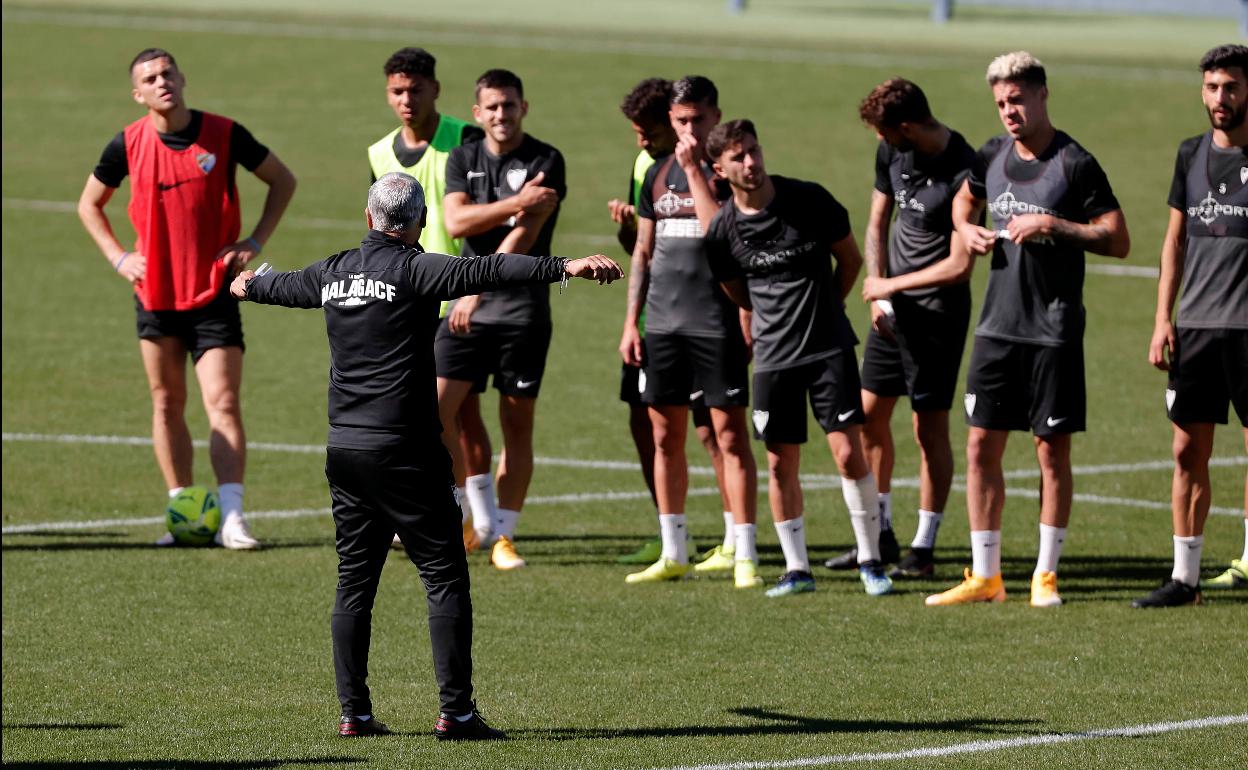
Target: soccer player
(386, 466)
(646, 108)
(420, 147)
(1205, 348)
(1050, 202)
(693, 335)
(502, 194)
(186, 215)
(918, 283)
(770, 246)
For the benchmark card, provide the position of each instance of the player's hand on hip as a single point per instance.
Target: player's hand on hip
(978, 240)
(459, 320)
(1026, 227)
(874, 287)
(595, 267)
(630, 346)
(1161, 347)
(237, 255)
(133, 267)
(238, 287)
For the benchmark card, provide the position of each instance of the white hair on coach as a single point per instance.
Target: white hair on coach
(395, 201)
(1016, 65)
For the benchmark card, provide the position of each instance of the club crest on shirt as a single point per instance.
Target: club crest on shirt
(206, 162)
(516, 177)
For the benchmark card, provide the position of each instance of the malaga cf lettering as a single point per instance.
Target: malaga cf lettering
(358, 288)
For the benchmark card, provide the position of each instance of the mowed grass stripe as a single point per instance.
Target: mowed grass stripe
(587, 44)
(975, 747)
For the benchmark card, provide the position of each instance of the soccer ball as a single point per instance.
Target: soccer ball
(193, 516)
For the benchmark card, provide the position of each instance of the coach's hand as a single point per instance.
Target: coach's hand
(459, 320)
(979, 240)
(595, 267)
(239, 286)
(1161, 348)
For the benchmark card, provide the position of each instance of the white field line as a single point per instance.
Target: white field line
(809, 481)
(977, 747)
(591, 43)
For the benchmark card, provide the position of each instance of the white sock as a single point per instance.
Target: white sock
(886, 510)
(230, 498)
(986, 552)
(480, 491)
(505, 523)
(1187, 559)
(728, 531)
(1244, 558)
(929, 525)
(461, 496)
(862, 499)
(792, 535)
(673, 531)
(745, 538)
(175, 492)
(1051, 539)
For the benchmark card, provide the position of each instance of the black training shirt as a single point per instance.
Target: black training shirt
(381, 305)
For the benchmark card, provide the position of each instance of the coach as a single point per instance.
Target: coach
(388, 470)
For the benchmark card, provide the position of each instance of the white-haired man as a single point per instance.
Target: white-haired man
(1050, 202)
(387, 468)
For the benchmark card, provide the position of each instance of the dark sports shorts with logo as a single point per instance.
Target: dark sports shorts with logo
(515, 355)
(1023, 386)
(215, 325)
(832, 386)
(923, 361)
(633, 380)
(677, 366)
(1208, 371)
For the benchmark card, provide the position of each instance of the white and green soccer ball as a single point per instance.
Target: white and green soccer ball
(193, 516)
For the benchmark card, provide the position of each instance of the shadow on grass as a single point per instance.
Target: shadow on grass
(777, 723)
(279, 545)
(182, 764)
(62, 726)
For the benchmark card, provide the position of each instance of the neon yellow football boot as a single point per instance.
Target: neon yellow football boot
(661, 570)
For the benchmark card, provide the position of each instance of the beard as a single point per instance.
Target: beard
(1230, 123)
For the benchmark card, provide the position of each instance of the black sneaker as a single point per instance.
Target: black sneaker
(890, 551)
(847, 560)
(474, 728)
(351, 727)
(917, 563)
(1172, 593)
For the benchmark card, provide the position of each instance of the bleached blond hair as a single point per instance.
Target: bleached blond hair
(1018, 66)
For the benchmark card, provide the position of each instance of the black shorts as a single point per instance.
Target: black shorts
(215, 325)
(1208, 371)
(1021, 386)
(780, 395)
(678, 366)
(515, 355)
(922, 363)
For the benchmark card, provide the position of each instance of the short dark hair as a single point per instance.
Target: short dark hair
(413, 62)
(498, 78)
(695, 89)
(1225, 56)
(893, 102)
(727, 134)
(149, 54)
(648, 101)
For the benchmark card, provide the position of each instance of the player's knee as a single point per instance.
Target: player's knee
(980, 452)
(223, 406)
(168, 402)
(1189, 454)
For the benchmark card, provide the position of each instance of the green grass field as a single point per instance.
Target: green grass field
(118, 655)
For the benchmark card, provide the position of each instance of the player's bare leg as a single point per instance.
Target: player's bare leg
(515, 470)
(720, 557)
(1190, 494)
(985, 500)
(740, 472)
(862, 499)
(164, 361)
(642, 431)
(877, 437)
(671, 486)
(452, 398)
(1056, 495)
(220, 374)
